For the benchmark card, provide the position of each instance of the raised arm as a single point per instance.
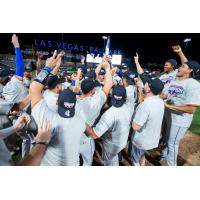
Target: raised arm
(108, 78)
(37, 85)
(138, 66)
(98, 69)
(58, 64)
(39, 61)
(19, 58)
(177, 49)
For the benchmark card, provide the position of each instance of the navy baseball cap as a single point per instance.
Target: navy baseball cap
(194, 65)
(129, 76)
(173, 62)
(53, 80)
(118, 97)
(91, 75)
(124, 66)
(30, 67)
(87, 85)
(155, 84)
(6, 72)
(66, 103)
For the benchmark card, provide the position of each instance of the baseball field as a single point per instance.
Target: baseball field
(195, 126)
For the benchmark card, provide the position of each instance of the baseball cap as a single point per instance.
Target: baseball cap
(66, 103)
(53, 80)
(124, 66)
(30, 67)
(155, 84)
(194, 65)
(129, 75)
(173, 62)
(91, 75)
(5, 72)
(87, 85)
(118, 97)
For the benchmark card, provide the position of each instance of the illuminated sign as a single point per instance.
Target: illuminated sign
(73, 47)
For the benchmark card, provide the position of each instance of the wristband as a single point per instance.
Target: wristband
(47, 69)
(43, 75)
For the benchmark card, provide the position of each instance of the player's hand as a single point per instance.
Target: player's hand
(44, 133)
(114, 70)
(15, 41)
(21, 122)
(39, 55)
(79, 72)
(136, 58)
(52, 61)
(177, 49)
(82, 59)
(59, 61)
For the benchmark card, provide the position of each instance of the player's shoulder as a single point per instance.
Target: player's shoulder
(192, 83)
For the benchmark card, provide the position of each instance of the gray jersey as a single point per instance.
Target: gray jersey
(65, 144)
(167, 79)
(149, 116)
(5, 156)
(182, 92)
(88, 109)
(114, 125)
(51, 99)
(14, 91)
(131, 92)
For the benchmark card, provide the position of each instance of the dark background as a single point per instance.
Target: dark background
(152, 47)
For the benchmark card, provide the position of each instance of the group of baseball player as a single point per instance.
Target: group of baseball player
(60, 115)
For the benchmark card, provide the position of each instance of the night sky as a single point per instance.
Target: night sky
(150, 46)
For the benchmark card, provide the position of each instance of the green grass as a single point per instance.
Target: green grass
(195, 126)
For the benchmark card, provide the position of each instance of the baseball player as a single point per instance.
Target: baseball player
(15, 90)
(67, 127)
(147, 118)
(182, 98)
(114, 127)
(169, 73)
(89, 105)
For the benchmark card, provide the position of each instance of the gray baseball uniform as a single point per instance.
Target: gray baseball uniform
(167, 79)
(149, 116)
(89, 109)
(64, 147)
(14, 91)
(114, 125)
(181, 92)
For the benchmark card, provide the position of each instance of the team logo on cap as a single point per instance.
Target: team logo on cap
(118, 97)
(132, 76)
(68, 105)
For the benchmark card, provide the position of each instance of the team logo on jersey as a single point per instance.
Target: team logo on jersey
(68, 105)
(167, 80)
(176, 90)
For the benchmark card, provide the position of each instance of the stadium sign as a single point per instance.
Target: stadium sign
(73, 47)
